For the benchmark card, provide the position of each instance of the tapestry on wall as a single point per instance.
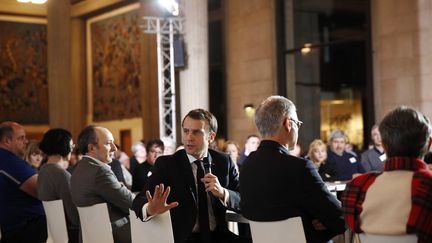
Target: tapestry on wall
(23, 71)
(115, 43)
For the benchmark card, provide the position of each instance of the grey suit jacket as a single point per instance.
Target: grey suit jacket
(93, 182)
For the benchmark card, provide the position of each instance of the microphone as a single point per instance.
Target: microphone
(207, 166)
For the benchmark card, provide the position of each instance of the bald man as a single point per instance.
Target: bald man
(94, 182)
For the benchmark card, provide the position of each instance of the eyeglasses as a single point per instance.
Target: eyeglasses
(297, 122)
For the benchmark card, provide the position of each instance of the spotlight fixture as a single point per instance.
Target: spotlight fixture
(171, 6)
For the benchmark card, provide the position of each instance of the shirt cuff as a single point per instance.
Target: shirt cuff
(224, 201)
(144, 213)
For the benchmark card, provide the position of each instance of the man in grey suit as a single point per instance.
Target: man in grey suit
(93, 181)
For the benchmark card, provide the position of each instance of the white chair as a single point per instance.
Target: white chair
(158, 229)
(56, 221)
(95, 224)
(283, 231)
(372, 238)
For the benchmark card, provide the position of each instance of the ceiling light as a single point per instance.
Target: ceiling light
(171, 6)
(32, 1)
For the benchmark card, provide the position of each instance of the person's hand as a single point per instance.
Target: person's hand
(318, 225)
(211, 183)
(157, 204)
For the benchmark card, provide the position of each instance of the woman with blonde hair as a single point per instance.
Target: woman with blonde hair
(318, 155)
(33, 155)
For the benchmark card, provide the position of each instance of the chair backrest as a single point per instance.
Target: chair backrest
(56, 221)
(371, 238)
(95, 224)
(158, 229)
(283, 231)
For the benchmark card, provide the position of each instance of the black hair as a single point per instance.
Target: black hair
(156, 142)
(56, 141)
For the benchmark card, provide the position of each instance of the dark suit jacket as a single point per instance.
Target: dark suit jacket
(176, 171)
(277, 186)
(140, 176)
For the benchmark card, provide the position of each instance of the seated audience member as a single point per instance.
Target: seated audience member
(169, 146)
(197, 198)
(233, 150)
(318, 155)
(94, 182)
(252, 143)
(33, 155)
(22, 217)
(275, 185)
(398, 200)
(345, 165)
(139, 155)
(123, 159)
(154, 148)
(373, 159)
(54, 180)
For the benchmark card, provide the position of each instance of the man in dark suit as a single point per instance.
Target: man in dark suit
(180, 174)
(288, 186)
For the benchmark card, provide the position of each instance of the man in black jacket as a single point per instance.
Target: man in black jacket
(180, 175)
(288, 186)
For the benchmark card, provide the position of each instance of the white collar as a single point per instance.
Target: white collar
(193, 159)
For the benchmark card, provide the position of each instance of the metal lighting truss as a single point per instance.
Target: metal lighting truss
(165, 28)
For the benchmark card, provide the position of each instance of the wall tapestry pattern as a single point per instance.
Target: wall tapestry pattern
(23, 72)
(116, 45)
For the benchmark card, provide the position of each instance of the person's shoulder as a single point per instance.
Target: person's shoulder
(365, 179)
(219, 155)
(424, 176)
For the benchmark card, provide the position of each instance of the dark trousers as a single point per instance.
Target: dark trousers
(34, 231)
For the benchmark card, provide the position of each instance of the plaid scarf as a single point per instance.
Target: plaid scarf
(420, 218)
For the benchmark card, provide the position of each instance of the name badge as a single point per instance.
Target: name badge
(383, 157)
(352, 160)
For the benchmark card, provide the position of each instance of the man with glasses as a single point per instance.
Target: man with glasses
(276, 186)
(154, 148)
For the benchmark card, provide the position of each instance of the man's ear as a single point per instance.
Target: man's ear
(212, 136)
(287, 124)
(90, 147)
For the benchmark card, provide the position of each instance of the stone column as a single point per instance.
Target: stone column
(65, 87)
(194, 87)
(402, 55)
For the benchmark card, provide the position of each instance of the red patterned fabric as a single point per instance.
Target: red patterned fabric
(420, 218)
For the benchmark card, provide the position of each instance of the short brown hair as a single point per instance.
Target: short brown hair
(201, 114)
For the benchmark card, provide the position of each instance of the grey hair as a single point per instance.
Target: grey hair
(337, 133)
(270, 114)
(135, 146)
